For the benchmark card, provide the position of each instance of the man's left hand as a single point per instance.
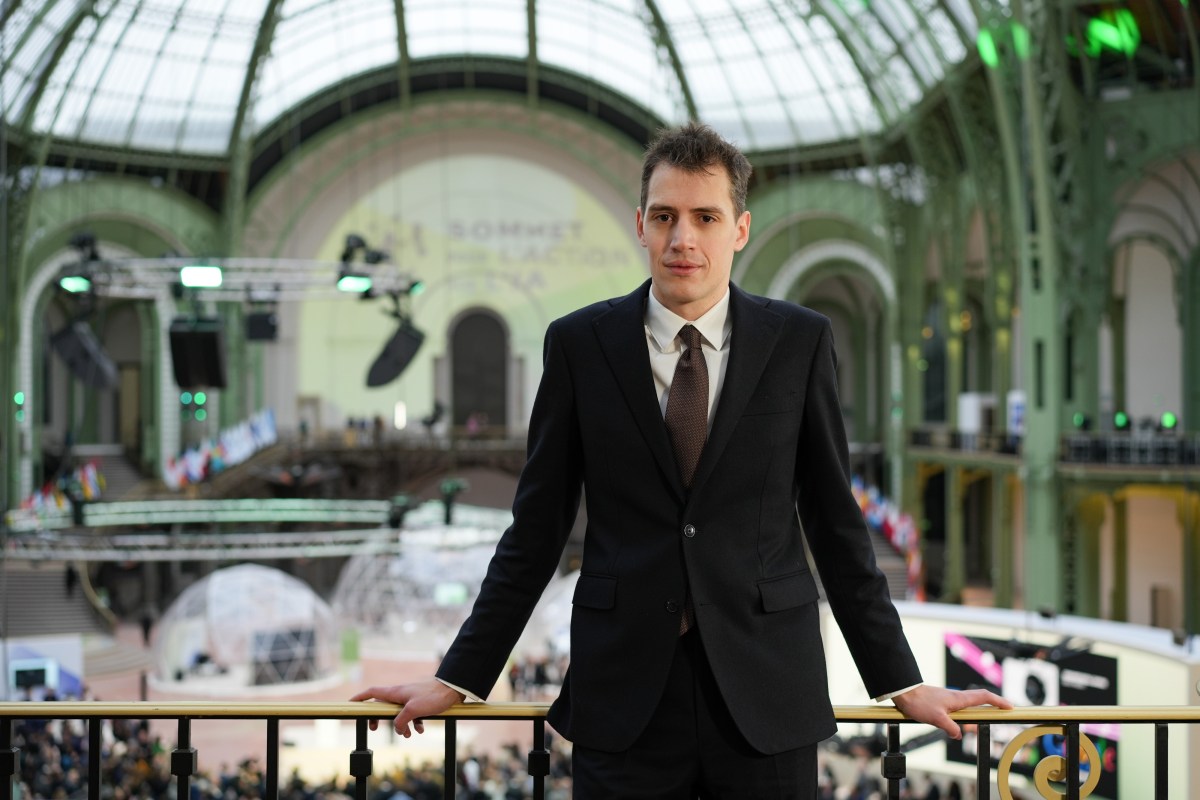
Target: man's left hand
(933, 705)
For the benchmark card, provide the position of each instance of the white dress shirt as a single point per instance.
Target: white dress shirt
(662, 339)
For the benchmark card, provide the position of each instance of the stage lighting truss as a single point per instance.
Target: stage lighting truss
(279, 279)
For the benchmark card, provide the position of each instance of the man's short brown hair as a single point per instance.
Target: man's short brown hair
(698, 148)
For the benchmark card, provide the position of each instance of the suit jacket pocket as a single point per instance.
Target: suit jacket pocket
(595, 591)
(787, 591)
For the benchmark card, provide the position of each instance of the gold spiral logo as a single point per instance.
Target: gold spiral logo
(1050, 768)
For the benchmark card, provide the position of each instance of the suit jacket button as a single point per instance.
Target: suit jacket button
(672, 606)
(689, 530)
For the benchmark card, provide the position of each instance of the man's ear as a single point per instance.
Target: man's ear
(641, 233)
(743, 231)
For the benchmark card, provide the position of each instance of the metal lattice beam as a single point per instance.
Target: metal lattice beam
(262, 48)
(663, 36)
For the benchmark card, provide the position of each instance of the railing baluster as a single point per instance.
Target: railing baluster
(539, 759)
(95, 757)
(891, 763)
(183, 758)
(450, 765)
(10, 759)
(360, 761)
(1072, 746)
(983, 762)
(1160, 761)
(272, 788)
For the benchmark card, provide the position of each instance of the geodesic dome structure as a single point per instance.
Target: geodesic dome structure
(421, 591)
(254, 624)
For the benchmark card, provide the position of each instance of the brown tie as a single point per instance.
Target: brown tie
(687, 423)
(687, 405)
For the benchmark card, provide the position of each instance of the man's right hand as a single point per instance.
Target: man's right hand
(425, 699)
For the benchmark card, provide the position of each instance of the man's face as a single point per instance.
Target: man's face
(691, 232)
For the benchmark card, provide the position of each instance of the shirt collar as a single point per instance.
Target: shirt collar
(664, 324)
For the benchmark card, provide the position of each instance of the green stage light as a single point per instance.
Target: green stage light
(1168, 421)
(988, 53)
(1081, 421)
(76, 284)
(201, 415)
(1121, 421)
(199, 276)
(19, 398)
(1116, 30)
(186, 398)
(1020, 36)
(201, 398)
(354, 283)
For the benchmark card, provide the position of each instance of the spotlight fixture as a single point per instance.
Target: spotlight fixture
(400, 348)
(1121, 421)
(1081, 421)
(77, 279)
(75, 284)
(354, 243)
(200, 276)
(1168, 422)
(85, 243)
(353, 282)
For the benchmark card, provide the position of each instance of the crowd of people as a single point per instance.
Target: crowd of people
(136, 764)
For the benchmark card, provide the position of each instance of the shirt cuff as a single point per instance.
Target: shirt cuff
(471, 695)
(883, 698)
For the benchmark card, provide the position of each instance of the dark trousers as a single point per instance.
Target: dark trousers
(692, 749)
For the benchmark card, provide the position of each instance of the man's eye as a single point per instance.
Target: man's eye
(662, 217)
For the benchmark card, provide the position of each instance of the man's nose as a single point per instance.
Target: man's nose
(684, 235)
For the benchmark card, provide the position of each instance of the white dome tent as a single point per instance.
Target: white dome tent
(247, 625)
(425, 588)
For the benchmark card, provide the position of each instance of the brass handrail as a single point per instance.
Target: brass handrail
(1067, 721)
(216, 709)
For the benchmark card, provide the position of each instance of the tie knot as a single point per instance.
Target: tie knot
(690, 336)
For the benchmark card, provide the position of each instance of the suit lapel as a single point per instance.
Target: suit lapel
(621, 332)
(752, 340)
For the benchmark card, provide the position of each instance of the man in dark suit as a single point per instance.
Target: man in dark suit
(697, 668)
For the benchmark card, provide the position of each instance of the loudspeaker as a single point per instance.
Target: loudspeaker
(261, 326)
(198, 352)
(399, 350)
(84, 355)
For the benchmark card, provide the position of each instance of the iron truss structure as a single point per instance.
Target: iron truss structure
(154, 530)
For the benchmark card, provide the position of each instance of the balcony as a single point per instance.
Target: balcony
(994, 776)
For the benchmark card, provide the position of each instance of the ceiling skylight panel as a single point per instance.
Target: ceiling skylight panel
(219, 85)
(157, 125)
(709, 83)
(441, 27)
(109, 116)
(945, 35)
(854, 103)
(963, 15)
(696, 9)
(755, 84)
(22, 67)
(911, 38)
(795, 73)
(207, 131)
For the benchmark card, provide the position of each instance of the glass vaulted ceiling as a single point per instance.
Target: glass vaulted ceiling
(173, 75)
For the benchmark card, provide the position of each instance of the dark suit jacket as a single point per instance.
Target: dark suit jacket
(777, 446)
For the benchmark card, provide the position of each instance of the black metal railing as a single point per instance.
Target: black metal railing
(1065, 721)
